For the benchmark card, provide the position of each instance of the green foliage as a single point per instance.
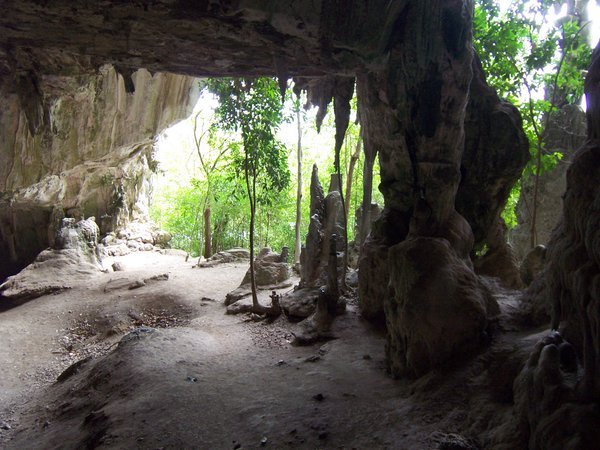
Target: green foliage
(253, 108)
(536, 64)
(179, 209)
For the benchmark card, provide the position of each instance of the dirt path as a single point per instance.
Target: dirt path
(193, 377)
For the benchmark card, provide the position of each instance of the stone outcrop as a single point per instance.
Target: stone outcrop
(226, 256)
(429, 139)
(271, 271)
(72, 259)
(533, 264)
(91, 155)
(547, 402)
(326, 220)
(437, 308)
(548, 397)
(495, 152)
(136, 236)
(566, 133)
(373, 214)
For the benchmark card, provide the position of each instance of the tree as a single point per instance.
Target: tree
(253, 108)
(536, 64)
(298, 223)
(208, 166)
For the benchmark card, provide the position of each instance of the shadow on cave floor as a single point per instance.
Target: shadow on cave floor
(188, 376)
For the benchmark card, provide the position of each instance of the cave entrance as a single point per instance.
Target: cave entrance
(196, 167)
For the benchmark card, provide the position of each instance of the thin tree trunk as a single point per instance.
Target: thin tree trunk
(297, 243)
(365, 223)
(534, 208)
(252, 198)
(350, 175)
(207, 234)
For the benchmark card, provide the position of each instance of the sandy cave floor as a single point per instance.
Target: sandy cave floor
(189, 376)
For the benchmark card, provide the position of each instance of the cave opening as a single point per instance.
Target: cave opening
(440, 324)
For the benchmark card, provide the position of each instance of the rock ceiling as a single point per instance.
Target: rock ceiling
(199, 38)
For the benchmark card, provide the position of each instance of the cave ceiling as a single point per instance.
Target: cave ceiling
(309, 38)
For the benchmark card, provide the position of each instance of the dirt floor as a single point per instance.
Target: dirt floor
(163, 367)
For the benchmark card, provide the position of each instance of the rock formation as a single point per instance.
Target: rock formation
(373, 214)
(533, 264)
(495, 152)
(226, 256)
(90, 154)
(136, 236)
(326, 220)
(271, 270)
(72, 259)
(551, 395)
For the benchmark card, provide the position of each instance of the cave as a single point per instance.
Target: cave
(439, 345)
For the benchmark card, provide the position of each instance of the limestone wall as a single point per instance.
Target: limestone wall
(90, 154)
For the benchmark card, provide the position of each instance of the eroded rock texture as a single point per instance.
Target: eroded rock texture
(445, 316)
(72, 259)
(90, 154)
(418, 125)
(271, 270)
(571, 289)
(495, 152)
(326, 220)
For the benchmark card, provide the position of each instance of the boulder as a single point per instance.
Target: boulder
(533, 264)
(436, 309)
(72, 260)
(300, 303)
(269, 268)
(271, 271)
(226, 256)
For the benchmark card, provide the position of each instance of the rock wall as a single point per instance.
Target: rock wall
(89, 154)
(550, 397)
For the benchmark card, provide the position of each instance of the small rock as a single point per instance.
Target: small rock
(192, 379)
(118, 266)
(236, 445)
(137, 284)
(281, 362)
(319, 397)
(313, 358)
(4, 425)
(263, 441)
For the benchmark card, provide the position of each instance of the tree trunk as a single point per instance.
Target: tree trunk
(251, 189)
(207, 234)
(534, 207)
(299, 190)
(350, 174)
(365, 224)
